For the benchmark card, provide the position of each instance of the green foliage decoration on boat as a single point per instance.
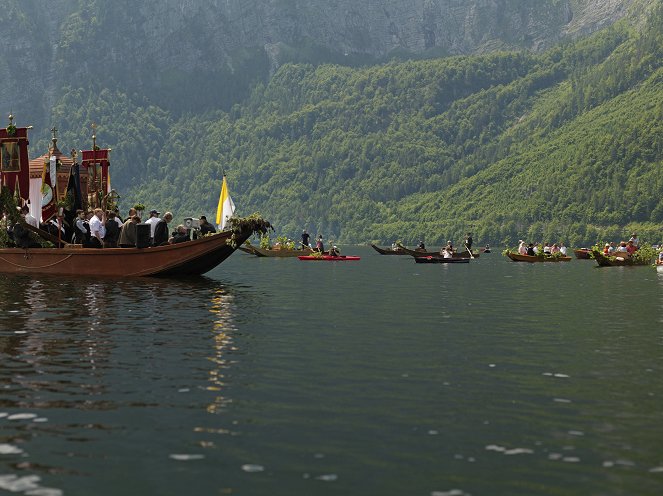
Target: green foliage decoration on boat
(253, 223)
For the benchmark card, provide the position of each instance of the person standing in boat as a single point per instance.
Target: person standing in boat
(81, 229)
(530, 250)
(97, 229)
(306, 240)
(153, 221)
(468, 241)
(319, 246)
(112, 231)
(205, 227)
(161, 230)
(636, 240)
(128, 232)
(421, 246)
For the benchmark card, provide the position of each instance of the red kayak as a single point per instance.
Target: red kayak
(329, 258)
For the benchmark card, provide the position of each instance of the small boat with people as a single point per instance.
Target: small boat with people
(619, 259)
(439, 259)
(330, 258)
(397, 250)
(517, 257)
(423, 253)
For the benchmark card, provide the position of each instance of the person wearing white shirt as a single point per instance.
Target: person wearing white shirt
(29, 219)
(562, 249)
(97, 229)
(153, 221)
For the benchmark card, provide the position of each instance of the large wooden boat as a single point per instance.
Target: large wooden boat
(439, 259)
(182, 259)
(618, 260)
(516, 257)
(583, 253)
(388, 251)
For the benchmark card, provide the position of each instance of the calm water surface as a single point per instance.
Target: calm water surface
(377, 377)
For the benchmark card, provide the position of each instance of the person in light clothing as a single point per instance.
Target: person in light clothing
(153, 221)
(29, 219)
(97, 229)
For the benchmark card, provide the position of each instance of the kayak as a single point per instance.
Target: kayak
(329, 258)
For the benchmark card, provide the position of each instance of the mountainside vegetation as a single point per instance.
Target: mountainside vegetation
(566, 144)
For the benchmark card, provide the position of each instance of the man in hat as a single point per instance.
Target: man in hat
(205, 227)
(153, 221)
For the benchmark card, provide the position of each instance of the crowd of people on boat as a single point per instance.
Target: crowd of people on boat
(99, 228)
(624, 249)
(545, 249)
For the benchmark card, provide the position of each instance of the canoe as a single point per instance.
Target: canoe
(181, 259)
(424, 253)
(246, 249)
(617, 261)
(388, 251)
(280, 253)
(329, 258)
(583, 253)
(516, 257)
(431, 259)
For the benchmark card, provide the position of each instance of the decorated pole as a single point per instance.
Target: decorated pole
(14, 161)
(97, 163)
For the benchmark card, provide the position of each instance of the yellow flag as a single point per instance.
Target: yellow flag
(226, 207)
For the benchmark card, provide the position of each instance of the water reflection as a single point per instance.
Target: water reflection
(222, 331)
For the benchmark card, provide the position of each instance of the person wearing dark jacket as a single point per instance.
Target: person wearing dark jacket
(206, 227)
(180, 236)
(112, 231)
(161, 230)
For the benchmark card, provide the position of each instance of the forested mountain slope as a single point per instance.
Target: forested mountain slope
(196, 55)
(567, 144)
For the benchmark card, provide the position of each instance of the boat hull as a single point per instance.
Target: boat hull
(516, 257)
(328, 258)
(583, 253)
(283, 253)
(182, 259)
(388, 251)
(431, 259)
(423, 253)
(617, 261)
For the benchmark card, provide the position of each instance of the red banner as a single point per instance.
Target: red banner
(14, 161)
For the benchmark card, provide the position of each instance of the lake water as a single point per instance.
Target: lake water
(376, 377)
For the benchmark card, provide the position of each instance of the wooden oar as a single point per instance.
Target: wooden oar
(469, 251)
(46, 235)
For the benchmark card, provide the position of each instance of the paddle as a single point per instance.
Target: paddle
(469, 251)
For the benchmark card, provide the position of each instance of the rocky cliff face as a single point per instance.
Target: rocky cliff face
(194, 54)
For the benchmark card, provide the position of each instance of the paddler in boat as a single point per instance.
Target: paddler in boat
(306, 240)
(421, 246)
(334, 252)
(530, 250)
(319, 247)
(449, 248)
(522, 247)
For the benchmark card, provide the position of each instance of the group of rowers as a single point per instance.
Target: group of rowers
(547, 250)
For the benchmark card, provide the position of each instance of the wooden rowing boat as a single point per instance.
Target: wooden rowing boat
(388, 251)
(583, 253)
(181, 259)
(438, 259)
(618, 260)
(280, 253)
(329, 258)
(424, 253)
(516, 257)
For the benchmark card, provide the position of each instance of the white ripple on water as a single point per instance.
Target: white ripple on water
(251, 468)
(556, 374)
(452, 492)
(184, 457)
(27, 485)
(8, 449)
(505, 451)
(327, 477)
(656, 470)
(22, 416)
(3, 414)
